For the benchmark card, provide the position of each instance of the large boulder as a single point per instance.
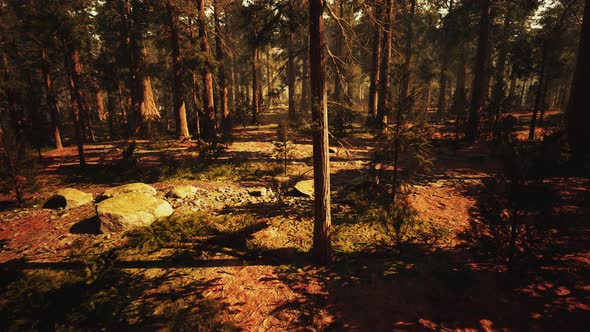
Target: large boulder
(182, 192)
(304, 187)
(127, 211)
(68, 198)
(137, 187)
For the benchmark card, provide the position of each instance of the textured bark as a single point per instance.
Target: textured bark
(498, 93)
(255, 87)
(460, 95)
(291, 76)
(177, 72)
(222, 74)
(385, 80)
(405, 80)
(480, 78)
(73, 72)
(51, 101)
(319, 110)
(339, 55)
(268, 78)
(305, 88)
(100, 109)
(540, 95)
(441, 105)
(111, 101)
(210, 118)
(375, 64)
(578, 110)
(196, 109)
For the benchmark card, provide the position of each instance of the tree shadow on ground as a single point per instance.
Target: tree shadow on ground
(420, 290)
(103, 296)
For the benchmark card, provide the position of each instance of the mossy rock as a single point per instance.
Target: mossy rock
(128, 211)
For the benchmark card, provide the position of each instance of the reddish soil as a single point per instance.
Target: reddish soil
(453, 287)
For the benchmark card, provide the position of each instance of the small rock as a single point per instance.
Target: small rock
(332, 150)
(182, 192)
(257, 191)
(68, 198)
(305, 187)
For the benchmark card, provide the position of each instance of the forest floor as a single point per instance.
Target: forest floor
(253, 271)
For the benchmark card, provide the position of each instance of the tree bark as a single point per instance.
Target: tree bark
(291, 76)
(479, 90)
(255, 87)
(578, 110)
(319, 110)
(540, 96)
(460, 98)
(51, 100)
(498, 93)
(305, 88)
(375, 63)
(385, 80)
(405, 80)
(73, 72)
(182, 131)
(210, 132)
(222, 75)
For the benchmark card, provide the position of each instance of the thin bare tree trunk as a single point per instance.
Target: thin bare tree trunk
(210, 131)
(480, 78)
(73, 71)
(405, 80)
(540, 97)
(255, 87)
(292, 111)
(268, 79)
(51, 100)
(385, 80)
(578, 110)
(319, 110)
(222, 75)
(177, 72)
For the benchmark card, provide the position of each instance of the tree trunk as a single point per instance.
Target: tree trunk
(51, 100)
(460, 95)
(305, 88)
(123, 103)
(319, 110)
(210, 132)
(578, 110)
(255, 87)
(222, 74)
(268, 79)
(539, 97)
(291, 74)
(182, 131)
(512, 88)
(405, 80)
(111, 101)
(196, 109)
(232, 91)
(385, 93)
(375, 61)
(479, 90)
(375, 64)
(498, 93)
(73, 71)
